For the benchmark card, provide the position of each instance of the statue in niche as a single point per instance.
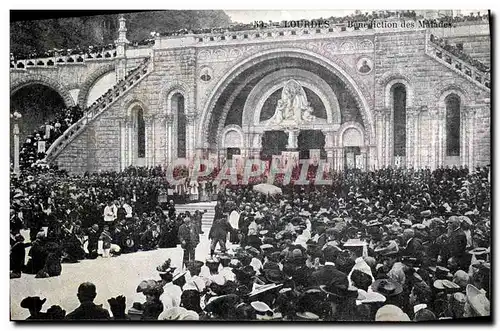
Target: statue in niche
(293, 107)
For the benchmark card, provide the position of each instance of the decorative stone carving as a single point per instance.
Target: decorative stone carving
(191, 118)
(293, 108)
(169, 118)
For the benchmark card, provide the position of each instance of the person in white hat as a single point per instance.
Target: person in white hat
(391, 313)
(477, 304)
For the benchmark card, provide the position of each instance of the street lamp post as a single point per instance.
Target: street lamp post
(16, 116)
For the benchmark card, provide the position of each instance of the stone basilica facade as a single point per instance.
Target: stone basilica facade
(355, 97)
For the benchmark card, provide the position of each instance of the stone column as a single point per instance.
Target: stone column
(441, 135)
(339, 158)
(190, 132)
(293, 135)
(433, 124)
(123, 144)
(149, 141)
(121, 46)
(16, 148)
(130, 146)
(372, 163)
(169, 123)
(329, 146)
(254, 151)
(471, 135)
(364, 154)
(389, 137)
(379, 134)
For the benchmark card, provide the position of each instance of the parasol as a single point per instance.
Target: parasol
(267, 189)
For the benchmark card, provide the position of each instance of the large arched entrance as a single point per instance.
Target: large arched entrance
(255, 93)
(39, 104)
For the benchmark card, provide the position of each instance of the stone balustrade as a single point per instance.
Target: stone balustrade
(98, 107)
(61, 60)
(478, 76)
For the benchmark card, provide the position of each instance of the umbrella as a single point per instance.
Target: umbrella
(267, 189)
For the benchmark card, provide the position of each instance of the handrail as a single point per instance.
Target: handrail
(97, 108)
(469, 70)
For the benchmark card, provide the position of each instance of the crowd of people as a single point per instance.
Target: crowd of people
(384, 245)
(36, 144)
(107, 51)
(90, 52)
(34, 148)
(453, 49)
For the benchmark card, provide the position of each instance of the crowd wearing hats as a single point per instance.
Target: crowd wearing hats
(71, 218)
(392, 245)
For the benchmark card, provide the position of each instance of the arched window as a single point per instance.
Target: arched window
(141, 134)
(178, 109)
(399, 106)
(452, 103)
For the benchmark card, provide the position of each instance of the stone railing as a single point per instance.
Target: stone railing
(57, 60)
(104, 102)
(468, 70)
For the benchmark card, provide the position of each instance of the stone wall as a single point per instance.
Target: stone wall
(402, 58)
(397, 58)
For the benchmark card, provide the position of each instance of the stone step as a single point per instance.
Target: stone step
(207, 218)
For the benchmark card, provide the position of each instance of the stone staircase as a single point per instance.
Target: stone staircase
(97, 108)
(208, 217)
(465, 69)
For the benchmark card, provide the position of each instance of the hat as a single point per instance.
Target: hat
(387, 287)
(370, 297)
(387, 248)
(274, 275)
(479, 251)
(444, 284)
(259, 289)
(391, 313)
(425, 213)
(33, 303)
(355, 243)
(419, 226)
(442, 273)
(178, 275)
(220, 305)
(173, 313)
(307, 316)
(266, 246)
(424, 314)
(477, 300)
(465, 219)
(194, 264)
(406, 222)
(146, 285)
(340, 289)
(461, 278)
(261, 307)
(252, 250)
(373, 223)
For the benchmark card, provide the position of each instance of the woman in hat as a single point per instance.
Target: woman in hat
(34, 305)
(342, 301)
(153, 306)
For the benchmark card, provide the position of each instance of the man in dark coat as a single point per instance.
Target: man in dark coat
(88, 310)
(38, 254)
(328, 273)
(457, 243)
(189, 238)
(218, 234)
(18, 255)
(93, 241)
(414, 247)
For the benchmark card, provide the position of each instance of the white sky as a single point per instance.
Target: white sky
(249, 16)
